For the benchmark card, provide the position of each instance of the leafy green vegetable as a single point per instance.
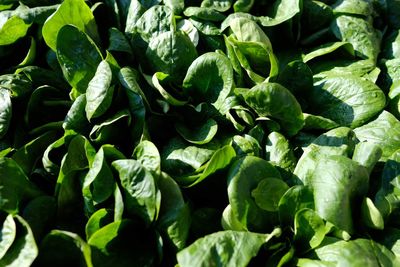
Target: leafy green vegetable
(229, 248)
(272, 99)
(70, 12)
(244, 176)
(141, 194)
(199, 133)
(80, 63)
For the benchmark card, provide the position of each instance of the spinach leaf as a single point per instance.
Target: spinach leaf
(99, 92)
(346, 179)
(23, 250)
(231, 248)
(154, 21)
(8, 233)
(213, 88)
(366, 42)
(244, 176)
(174, 219)
(348, 100)
(70, 12)
(5, 111)
(381, 131)
(274, 100)
(12, 176)
(142, 197)
(80, 63)
(78, 250)
(370, 253)
(172, 53)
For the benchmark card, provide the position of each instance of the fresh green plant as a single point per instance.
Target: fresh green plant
(199, 133)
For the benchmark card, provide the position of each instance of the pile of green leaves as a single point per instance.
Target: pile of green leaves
(200, 133)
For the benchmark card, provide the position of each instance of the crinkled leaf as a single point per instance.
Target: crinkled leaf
(142, 196)
(70, 12)
(99, 92)
(348, 100)
(243, 177)
(23, 251)
(209, 79)
(78, 57)
(383, 131)
(275, 101)
(228, 248)
(5, 111)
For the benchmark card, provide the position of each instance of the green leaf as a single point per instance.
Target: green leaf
(156, 20)
(227, 248)
(76, 252)
(209, 79)
(253, 49)
(118, 42)
(348, 100)
(246, 30)
(142, 196)
(229, 220)
(309, 230)
(8, 234)
(177, 6)
(70, 12)
(296, 76)
(136, 101)
(98, 184)
(147, 154)
(175, 218)
(353, 7)
(391, 45)
(99, 93)
(339, 141)
(218, 5)
(219, 161)
(76, 117)
(348, 183)
(5, 111)
(296, 198)
(243, 177)
(78, 57)
(104, 132)
(315, 122)
(205, 27)
(98, 220)
(368, 253)
(12, 29)
(382, 131)
(246, 145)
(23, 251)
(203, 13)
(327, 49)
(201, 134)
(243, 5)
(122, 243)
(371, 215)
(367, 154)
(268, 193)
(19, 85)
(159, 77)
(171, 53)
(179, 158)
(40, 213)
(279, 152)
(366, 42)
(15, 186)
(27, 156)
(275, 101)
